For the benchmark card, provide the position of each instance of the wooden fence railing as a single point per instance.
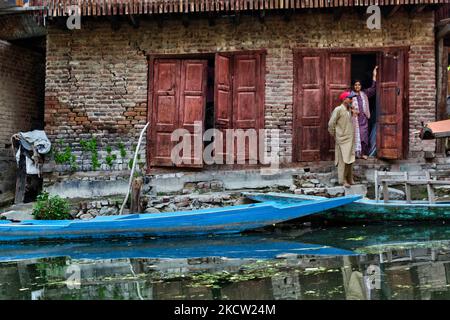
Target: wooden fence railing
(408, 179)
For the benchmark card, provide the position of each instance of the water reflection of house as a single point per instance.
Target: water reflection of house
(259, 289)
(180, 289)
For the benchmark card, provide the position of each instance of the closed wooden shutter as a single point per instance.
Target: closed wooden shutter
(192, 107)
(248, 108)
(390, 94)
(308, 104)
(178, 101)
(223, 99)
(165, 110)
(338, 80)
(239, 93)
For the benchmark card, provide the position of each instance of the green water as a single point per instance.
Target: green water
(382, 262)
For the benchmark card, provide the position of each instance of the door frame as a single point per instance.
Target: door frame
(349, 50)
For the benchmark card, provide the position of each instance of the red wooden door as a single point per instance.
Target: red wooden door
(239, 95)
(309, 104)
(337, 79)
(248, 109)
(166, 76)
(223, 91)
(390, 96)
(192, 105)
(246, 91)
(179, 91)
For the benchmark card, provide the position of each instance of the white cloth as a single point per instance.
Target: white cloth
(37, 139)
(32, 168)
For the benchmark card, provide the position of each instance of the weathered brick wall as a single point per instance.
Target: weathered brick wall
(21, 102)
(96, 81)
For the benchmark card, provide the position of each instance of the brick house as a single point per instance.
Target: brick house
(276, 64)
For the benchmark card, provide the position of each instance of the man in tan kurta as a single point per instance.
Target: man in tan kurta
(341, 128)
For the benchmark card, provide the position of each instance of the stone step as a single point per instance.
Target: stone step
(356, 189)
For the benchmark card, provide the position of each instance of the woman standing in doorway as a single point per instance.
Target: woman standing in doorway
(361, 110)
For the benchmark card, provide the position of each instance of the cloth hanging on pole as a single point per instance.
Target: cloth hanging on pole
(33, 144)
(37, 139)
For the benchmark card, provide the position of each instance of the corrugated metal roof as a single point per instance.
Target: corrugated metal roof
(123, 7)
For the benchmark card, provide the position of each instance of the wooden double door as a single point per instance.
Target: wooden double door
(319, 78)
(177, 99)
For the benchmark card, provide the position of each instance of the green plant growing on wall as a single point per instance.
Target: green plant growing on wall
(66, 156)
(91, 146)
(110, 158)
(123, 152)
(51, 207)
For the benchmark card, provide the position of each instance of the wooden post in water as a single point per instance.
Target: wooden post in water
(136, 187)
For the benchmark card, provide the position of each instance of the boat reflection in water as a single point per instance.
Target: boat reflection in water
(373, 262)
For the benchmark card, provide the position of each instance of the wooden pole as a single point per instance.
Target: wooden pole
(132, 168)
(136, 187)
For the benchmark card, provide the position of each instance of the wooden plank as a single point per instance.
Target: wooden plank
(420, 182)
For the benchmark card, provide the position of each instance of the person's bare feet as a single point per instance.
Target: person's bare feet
(365, 157)
(346, 185)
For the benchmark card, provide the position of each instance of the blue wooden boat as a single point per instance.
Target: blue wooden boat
(232, 219)
(366, 210)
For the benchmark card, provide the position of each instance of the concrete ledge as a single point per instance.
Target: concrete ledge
(232, 180)
(88, 189)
